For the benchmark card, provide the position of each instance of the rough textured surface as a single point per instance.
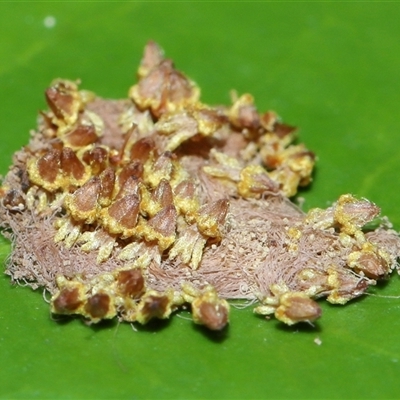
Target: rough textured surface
(134, 207)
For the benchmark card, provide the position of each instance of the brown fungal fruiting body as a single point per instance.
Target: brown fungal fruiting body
(133, 208)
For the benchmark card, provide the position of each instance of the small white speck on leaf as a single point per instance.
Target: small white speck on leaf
(318, 341)
(49, 22)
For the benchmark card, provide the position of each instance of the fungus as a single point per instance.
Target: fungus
(134, 208)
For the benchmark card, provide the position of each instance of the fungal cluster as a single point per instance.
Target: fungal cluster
(134, 208)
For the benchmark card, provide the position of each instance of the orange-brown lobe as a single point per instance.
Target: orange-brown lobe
(107, 181)
(209, 120)
(283, 130)
(164, 88)
(216, 210)
(164, 161)
(152, 56)
(372, 265)
(60, 101)
(213, 316)
(70, 163)
(254, 181)
(150, 87)
(57, 144)
(48, 165)
(268, 120)
(164, 221)
(186, 189)
(85, 198)
(97, 306)
(163, 194)
(303, 154)
(67, 301)
(244, 114)
(81, 136)
(177, 86)
(298, 308)
(155, 306)
(272, 161)
(132, 170)
(97, 159)
(131, 283)
(125, 211)
(359, 212)
(211, 218)
(141, 149)
(130, 186)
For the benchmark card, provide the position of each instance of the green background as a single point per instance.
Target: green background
(331, 68)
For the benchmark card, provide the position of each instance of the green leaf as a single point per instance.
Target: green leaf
(330, 68)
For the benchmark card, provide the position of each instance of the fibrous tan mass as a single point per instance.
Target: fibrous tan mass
(134, 208)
